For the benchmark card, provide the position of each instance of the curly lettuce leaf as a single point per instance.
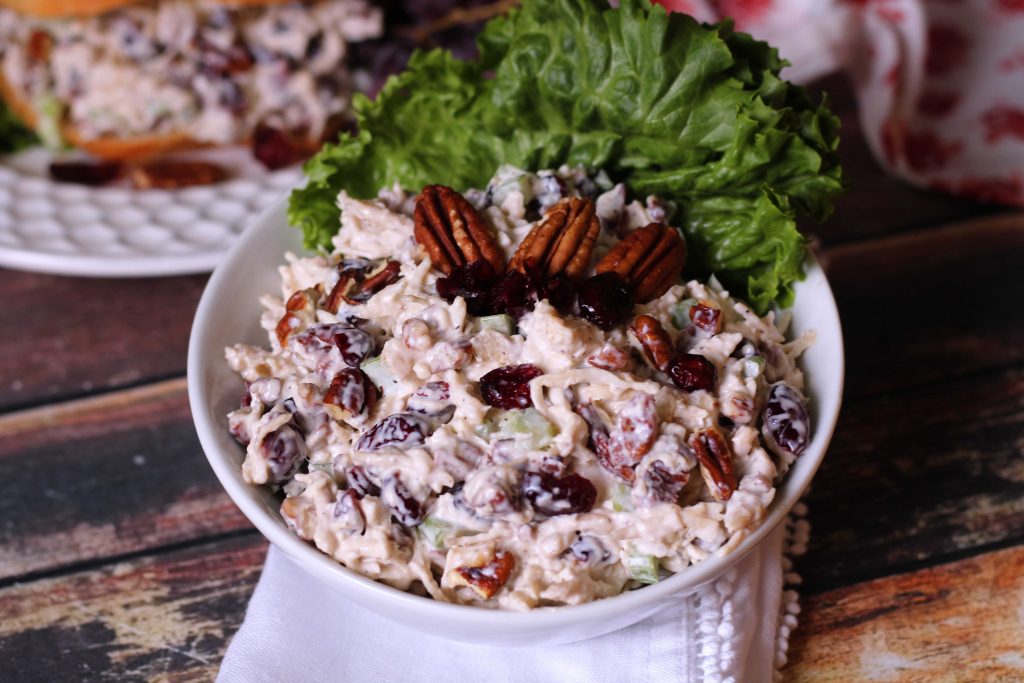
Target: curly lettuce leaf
(14, 136)
(695, 114)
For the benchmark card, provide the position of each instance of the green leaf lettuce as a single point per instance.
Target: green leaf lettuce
(695, 114)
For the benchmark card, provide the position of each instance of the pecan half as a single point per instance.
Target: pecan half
(715, 460)
(609, 357)
(355, 287)
(488, 579)
(656, 341)
(650, 259)
(170, 175)
(636, 430)
(300, 312)
(562, 242)
(452, 231)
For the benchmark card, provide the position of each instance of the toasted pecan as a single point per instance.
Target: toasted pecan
(452, 232)
(562, 242)
(715, 458)
(650, 259)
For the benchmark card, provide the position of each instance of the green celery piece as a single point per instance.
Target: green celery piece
(681, 313)
(643, 568)
(529, 427)
(622, 501)
(499, 323)
(753, 366)
(434, 531)
(379, 374)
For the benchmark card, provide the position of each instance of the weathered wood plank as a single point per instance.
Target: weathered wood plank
(876, 203)
(916, 476)
(105, 476)
(930, 305)
(71, 336)
(162, 618)
(962, 621)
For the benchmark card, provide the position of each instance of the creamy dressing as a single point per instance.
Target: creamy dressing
(466, 475)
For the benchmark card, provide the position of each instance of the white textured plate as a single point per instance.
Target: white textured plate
(117, 231)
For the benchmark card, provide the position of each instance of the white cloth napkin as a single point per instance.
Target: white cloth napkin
(734, 630)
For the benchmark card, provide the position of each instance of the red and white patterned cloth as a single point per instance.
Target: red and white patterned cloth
(940, 83)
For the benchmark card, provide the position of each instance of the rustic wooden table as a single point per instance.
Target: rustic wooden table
(122, 559)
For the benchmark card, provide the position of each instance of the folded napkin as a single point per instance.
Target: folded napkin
(940, 83)
(735, 630)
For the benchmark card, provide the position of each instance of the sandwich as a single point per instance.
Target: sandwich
(127, 80)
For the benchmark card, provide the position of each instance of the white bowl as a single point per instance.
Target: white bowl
(229, 313)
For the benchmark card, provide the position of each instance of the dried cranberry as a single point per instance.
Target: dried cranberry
(399, 500)
(664, 485)
(474, 282)
(351, 391)
(401, 430)
(274, 148)
(359, 482)
(284, 450)
(605, 300)
(432, 400)
(354, 344)
(508, 387)
(517, 293)
(693, 372)
(589, 550)
(454, 488)
(553, 496)
(85, 172)
(787, 427)
(349, 512)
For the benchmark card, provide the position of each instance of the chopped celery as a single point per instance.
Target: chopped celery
(681, 313)
(753, 366)
(529, 427)
(378, 372)
(622, 501)
(322, 466)
(643, 568)
(499, 323)
(50, 112)
(486, 428)
(434, 531)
